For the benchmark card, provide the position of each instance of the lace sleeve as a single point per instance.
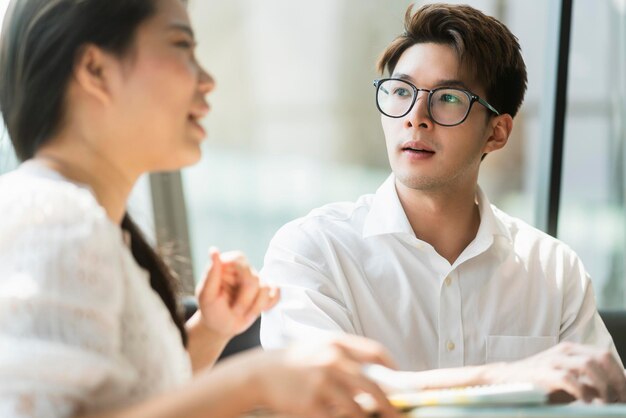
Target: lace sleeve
(60, 304)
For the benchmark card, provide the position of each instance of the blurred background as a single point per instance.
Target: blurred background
(294, 126)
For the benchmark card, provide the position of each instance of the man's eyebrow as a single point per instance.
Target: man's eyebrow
(452, 82)
(402, 76)
(181, 27)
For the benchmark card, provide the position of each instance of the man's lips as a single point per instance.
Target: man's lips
(416, 146)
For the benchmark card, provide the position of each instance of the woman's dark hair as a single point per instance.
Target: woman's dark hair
(486, 47)
(40, 43)
(161, 278)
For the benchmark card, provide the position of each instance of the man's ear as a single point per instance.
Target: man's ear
(501, 127)
(94, 72)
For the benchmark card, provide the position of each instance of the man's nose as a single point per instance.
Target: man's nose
(419, 115)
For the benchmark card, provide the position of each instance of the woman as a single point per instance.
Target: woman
(95, 93)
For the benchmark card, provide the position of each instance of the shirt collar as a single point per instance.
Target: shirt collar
(490, 224)
(386, 215)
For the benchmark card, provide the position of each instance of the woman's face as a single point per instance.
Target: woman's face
(160, 96)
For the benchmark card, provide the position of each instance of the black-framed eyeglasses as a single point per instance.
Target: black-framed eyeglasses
(447, 106)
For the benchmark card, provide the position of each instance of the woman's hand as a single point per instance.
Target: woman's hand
(321, 380)
(230, 297)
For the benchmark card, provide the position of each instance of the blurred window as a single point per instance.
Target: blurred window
(591, 217)
(294, 123)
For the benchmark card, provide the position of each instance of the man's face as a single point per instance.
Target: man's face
(424, 155)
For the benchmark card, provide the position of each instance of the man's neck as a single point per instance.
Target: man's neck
(447, 220)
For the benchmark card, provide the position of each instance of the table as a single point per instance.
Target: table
(544, 411)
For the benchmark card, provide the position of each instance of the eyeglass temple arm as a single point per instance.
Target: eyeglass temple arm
(487, 105)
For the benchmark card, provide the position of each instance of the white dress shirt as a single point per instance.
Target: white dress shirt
(358, 268)
(81, 330)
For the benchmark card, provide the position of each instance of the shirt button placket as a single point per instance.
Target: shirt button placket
(450, 323)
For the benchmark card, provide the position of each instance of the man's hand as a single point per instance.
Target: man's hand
(580, 371)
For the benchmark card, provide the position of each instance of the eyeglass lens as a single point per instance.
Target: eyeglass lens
(447, 106)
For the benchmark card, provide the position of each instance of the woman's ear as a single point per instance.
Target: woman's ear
(501, 127)
(94, 72)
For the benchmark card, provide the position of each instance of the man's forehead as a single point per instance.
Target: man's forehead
(435, 65)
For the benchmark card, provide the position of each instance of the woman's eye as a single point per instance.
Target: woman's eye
(185, 44)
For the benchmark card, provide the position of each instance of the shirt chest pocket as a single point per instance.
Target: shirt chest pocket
(511, 348)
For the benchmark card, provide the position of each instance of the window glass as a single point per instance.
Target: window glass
(8, 161)
(7, 157)
(294, 100)
(591, 217)
(294, 124)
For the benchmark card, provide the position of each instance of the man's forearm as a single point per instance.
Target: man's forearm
(445, 378)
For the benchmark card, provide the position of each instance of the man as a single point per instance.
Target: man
(426, 265)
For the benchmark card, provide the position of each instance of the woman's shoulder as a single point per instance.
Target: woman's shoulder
(30, 200)
(55, 235)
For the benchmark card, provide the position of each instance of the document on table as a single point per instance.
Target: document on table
(404, 397)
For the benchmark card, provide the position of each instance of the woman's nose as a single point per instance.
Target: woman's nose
(206, 83)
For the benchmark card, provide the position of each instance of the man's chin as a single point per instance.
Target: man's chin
(416, 182)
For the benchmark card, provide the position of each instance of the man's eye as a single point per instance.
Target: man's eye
(450, 98)
(401, 92)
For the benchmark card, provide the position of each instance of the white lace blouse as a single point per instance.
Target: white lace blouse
(81, 330)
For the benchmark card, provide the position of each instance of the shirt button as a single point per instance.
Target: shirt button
(450, 346)
(448, 281)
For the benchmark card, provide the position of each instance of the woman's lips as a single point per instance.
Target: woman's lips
(196, 125)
